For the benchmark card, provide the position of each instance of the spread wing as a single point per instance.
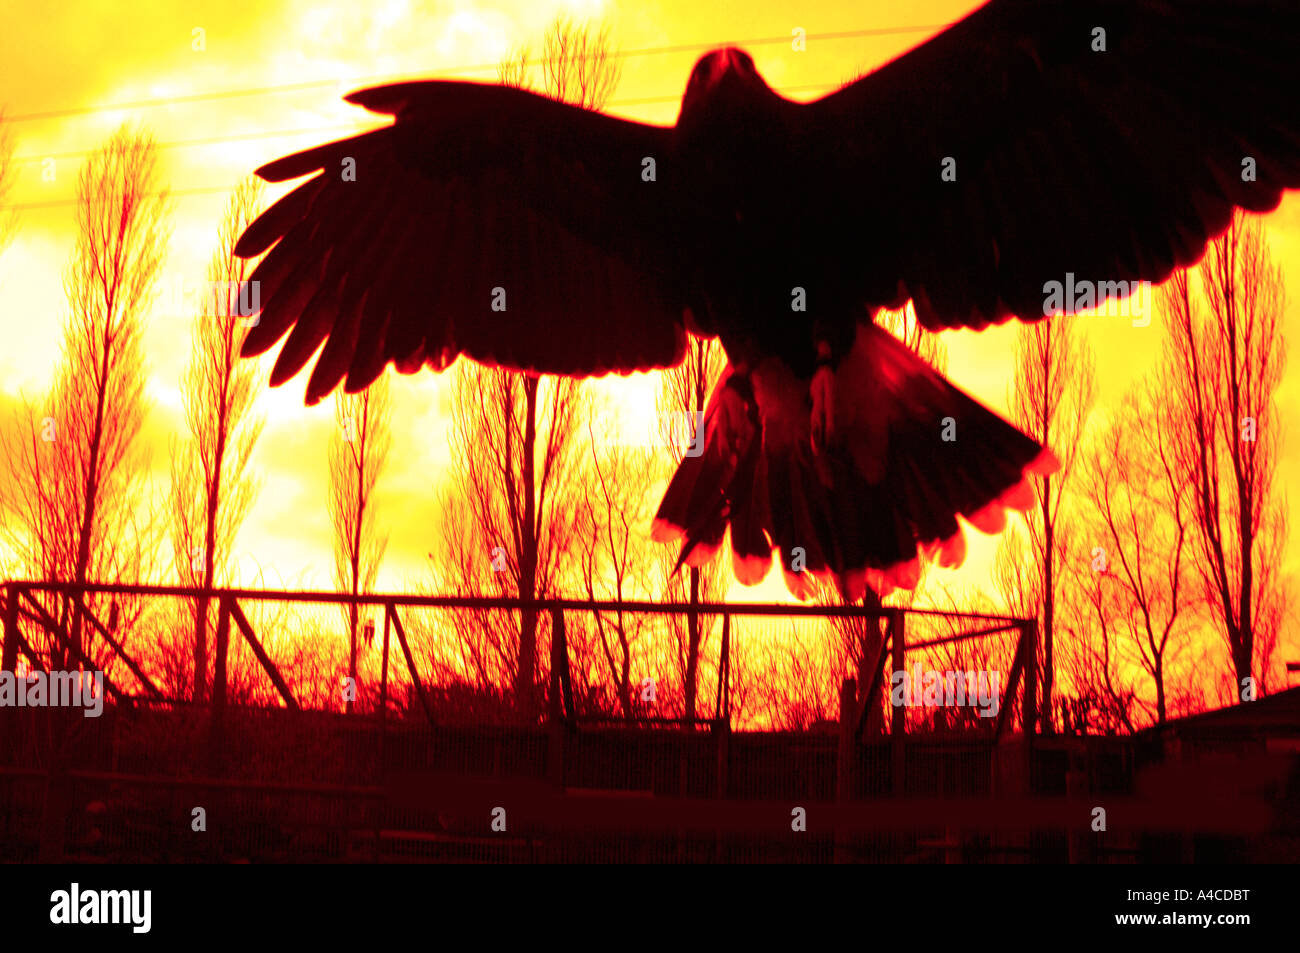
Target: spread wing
(486, 221)
(1114, 155)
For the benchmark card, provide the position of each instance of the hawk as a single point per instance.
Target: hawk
(1031, 141)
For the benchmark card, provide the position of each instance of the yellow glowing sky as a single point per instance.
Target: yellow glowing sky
(63, 57)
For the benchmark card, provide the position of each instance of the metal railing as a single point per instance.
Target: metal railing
(21, 604)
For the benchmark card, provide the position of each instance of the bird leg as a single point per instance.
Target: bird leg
(822, 391)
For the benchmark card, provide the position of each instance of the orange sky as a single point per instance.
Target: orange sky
(62, 58)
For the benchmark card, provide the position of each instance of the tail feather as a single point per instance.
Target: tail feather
(697, 506)
(909, 453)
(750, 514)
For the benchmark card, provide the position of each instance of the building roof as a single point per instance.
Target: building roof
(1272, 715)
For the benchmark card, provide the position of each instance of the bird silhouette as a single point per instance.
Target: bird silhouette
(1029, 143)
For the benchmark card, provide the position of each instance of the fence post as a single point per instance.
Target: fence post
(846, 759)
(383, 685)
(377, 815)
(1029, 712)
(726, 663)
(217, 718)
(722, 708)
(350, 704)
(1030, 707)
(898, 713)
(560, 644)
(10, 651)
(555, 701)
(9, 662)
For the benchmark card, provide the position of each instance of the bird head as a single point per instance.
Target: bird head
(725, 79)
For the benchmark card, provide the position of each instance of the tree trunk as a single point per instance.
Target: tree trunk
(1242, 649)
(200, 692)
(352, 651)
(624, 678)
(209, 569)
(1049, 603)
(1244, 644)
(525, 677)
(868, 652)
(91, 489)
(356, 552)
(1160, 690)
(692, 644)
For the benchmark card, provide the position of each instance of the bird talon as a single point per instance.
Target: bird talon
(822, 423)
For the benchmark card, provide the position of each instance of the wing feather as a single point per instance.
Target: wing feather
(1116, 165)
(393, 256)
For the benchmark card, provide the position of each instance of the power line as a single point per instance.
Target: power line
(207, 141)
(203, 190)
(320, 130)
(316, 84)
(472, 68)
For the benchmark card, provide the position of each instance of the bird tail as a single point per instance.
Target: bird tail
(905, 454)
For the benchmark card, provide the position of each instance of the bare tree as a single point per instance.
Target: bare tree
(1224, 364)
(1103, 699)
(1051, 397)
(357, 454)
(792, 685)
(1138, 512)
(610, 525)
(512, 534)
(521, 428)
(78, 465)
(211, 486)
(681, 401)
(513, 70)
(578, 64)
